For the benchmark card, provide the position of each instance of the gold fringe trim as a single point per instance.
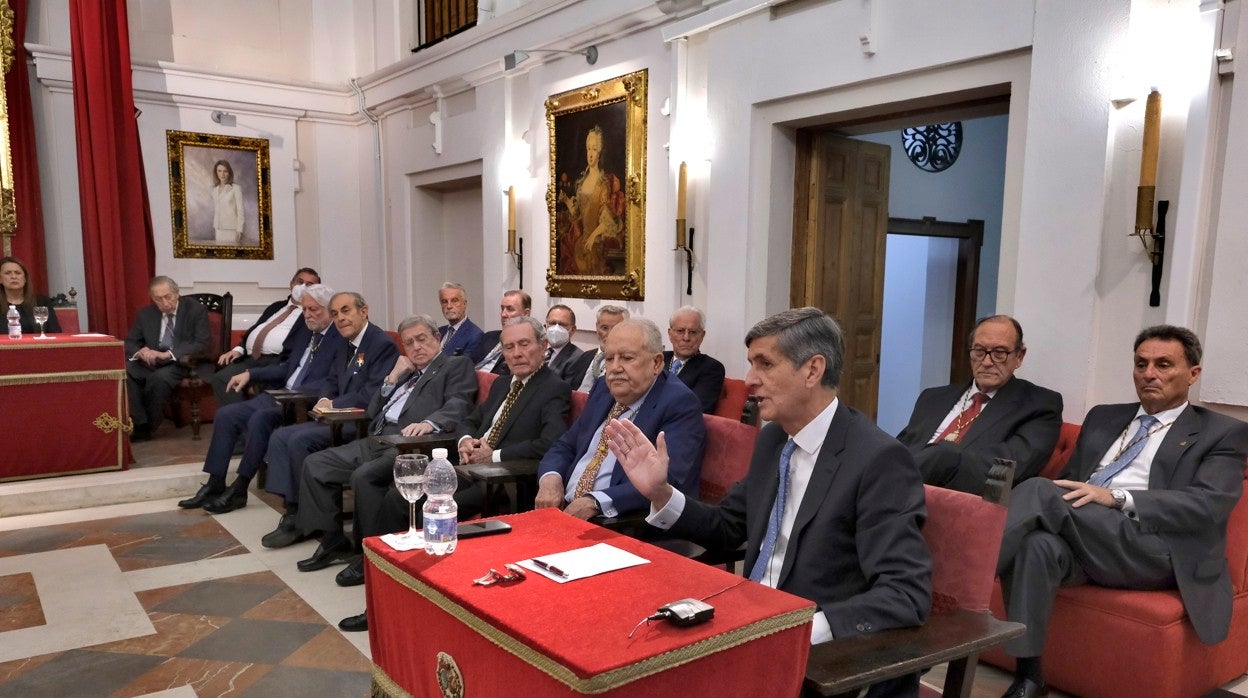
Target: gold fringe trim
(66, 377)
(385, 687)
(23, 345)
(609, 680)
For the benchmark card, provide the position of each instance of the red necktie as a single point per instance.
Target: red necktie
(958, 427)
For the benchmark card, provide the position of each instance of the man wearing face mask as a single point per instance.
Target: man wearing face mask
(562, 354)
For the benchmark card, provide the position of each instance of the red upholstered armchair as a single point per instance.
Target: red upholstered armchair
(196, 389)
(1141, 640)
(732, 400)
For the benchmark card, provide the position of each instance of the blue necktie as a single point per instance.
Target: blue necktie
(1137, 444)
(676, 365)
(777, 514)
(166, 337)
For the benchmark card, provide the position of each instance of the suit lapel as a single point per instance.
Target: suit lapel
(431, 371)
(821, 479)
(1179, 437)
(948, 400)
(999, 407)
(1101, 436)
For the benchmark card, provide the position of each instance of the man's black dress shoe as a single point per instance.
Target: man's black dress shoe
(285, 534)
(354, 624)
(206, 493)
(1025, 688)
(326, 556)
(352, 575)
(226, 502)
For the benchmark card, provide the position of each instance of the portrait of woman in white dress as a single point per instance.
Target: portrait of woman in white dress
(227, 198)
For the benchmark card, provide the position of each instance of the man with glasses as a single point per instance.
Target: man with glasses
(703, 374)
(957, 430)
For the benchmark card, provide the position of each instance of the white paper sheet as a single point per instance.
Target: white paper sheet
(402, 543)
(584, 562)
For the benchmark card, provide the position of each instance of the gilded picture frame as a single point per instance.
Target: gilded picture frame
(597, 192)
(219, 196)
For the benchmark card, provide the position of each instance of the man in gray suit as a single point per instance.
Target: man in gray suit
(168, 330)
(426, 392)
(1143, 505)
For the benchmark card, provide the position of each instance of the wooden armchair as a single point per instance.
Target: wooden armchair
(964, 534)
(198, 384)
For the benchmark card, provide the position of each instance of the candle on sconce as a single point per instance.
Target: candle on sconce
(511, 219)
(682, 183)
(1152, 140)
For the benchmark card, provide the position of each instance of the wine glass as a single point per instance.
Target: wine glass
(409, 478)
(41, 316)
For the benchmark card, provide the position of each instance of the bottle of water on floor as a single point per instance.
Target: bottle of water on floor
(441, 512)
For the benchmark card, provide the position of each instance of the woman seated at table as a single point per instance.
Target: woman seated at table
(19, 291)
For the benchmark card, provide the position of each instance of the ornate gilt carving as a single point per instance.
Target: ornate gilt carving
(193, 162)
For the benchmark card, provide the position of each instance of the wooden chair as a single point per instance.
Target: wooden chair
(964, 534)
(198, 383)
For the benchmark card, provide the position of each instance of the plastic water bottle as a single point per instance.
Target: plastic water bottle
(15, 323)
(440, 511)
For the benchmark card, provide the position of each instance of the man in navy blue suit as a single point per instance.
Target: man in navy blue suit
(361, 364)
(307, 368)
(578, 473)
(703, 374)
(459, 335)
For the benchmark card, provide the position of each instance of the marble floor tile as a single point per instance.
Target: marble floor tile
(19, 602)
(204, 677)
(225, 568)
(284, 605)
(85, 602)
(328, 650)
(220, 598)
(261, 641)
(82, 674)
(296, 682)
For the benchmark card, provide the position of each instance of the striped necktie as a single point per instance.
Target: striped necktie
(586, 484)
(495, 431)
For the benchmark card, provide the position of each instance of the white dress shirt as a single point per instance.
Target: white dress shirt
(1135, 475)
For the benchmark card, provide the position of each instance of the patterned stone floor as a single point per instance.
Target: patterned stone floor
(171, 603)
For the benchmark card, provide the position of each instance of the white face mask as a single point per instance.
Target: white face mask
(557, 336)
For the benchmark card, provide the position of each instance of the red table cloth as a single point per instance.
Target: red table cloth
(62, 405)
(430, 628)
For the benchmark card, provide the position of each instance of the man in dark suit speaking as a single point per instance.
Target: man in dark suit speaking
(167, 330)
(578, 474)
(957, 430)
(1143, 505)
(831, 507)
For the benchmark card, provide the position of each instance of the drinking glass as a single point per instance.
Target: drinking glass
(41, 316)
(409, 478)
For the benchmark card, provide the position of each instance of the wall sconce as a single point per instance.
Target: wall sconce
(515, 58)
(684, 234)
(1152, 238)
(515, 247)
(224, 118)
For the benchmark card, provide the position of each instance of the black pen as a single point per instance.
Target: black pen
(549, 567)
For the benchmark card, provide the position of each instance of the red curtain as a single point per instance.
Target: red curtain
(28, 244)
(116, 220)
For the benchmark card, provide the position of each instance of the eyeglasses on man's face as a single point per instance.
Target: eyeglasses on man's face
(999, 355)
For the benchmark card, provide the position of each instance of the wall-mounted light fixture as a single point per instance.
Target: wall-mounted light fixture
(684, 234)
(515, 58)
(1152, 238)
(515, 247)
(224, 118)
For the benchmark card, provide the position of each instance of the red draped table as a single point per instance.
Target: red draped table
(430, 626)
(63, 403)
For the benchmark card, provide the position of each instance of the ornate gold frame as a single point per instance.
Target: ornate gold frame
(199, 148)
(8, 204)
(622, 272)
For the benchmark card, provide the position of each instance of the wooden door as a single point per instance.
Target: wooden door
(839, 234)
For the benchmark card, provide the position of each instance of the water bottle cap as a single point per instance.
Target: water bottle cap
(439, 453)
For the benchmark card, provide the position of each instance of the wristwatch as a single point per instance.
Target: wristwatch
(1120, 498)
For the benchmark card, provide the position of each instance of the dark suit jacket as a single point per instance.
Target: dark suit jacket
(317, 375)
(856, 548)
(465, 340)
(538, 417)
(670, 407)
(564, 361)
(190, 329)
(1021, 423)
(444, 394)
(574, 373)
(270, 311)
(489, 340)
(704, 376)
(1195, 481)
(359, 374)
